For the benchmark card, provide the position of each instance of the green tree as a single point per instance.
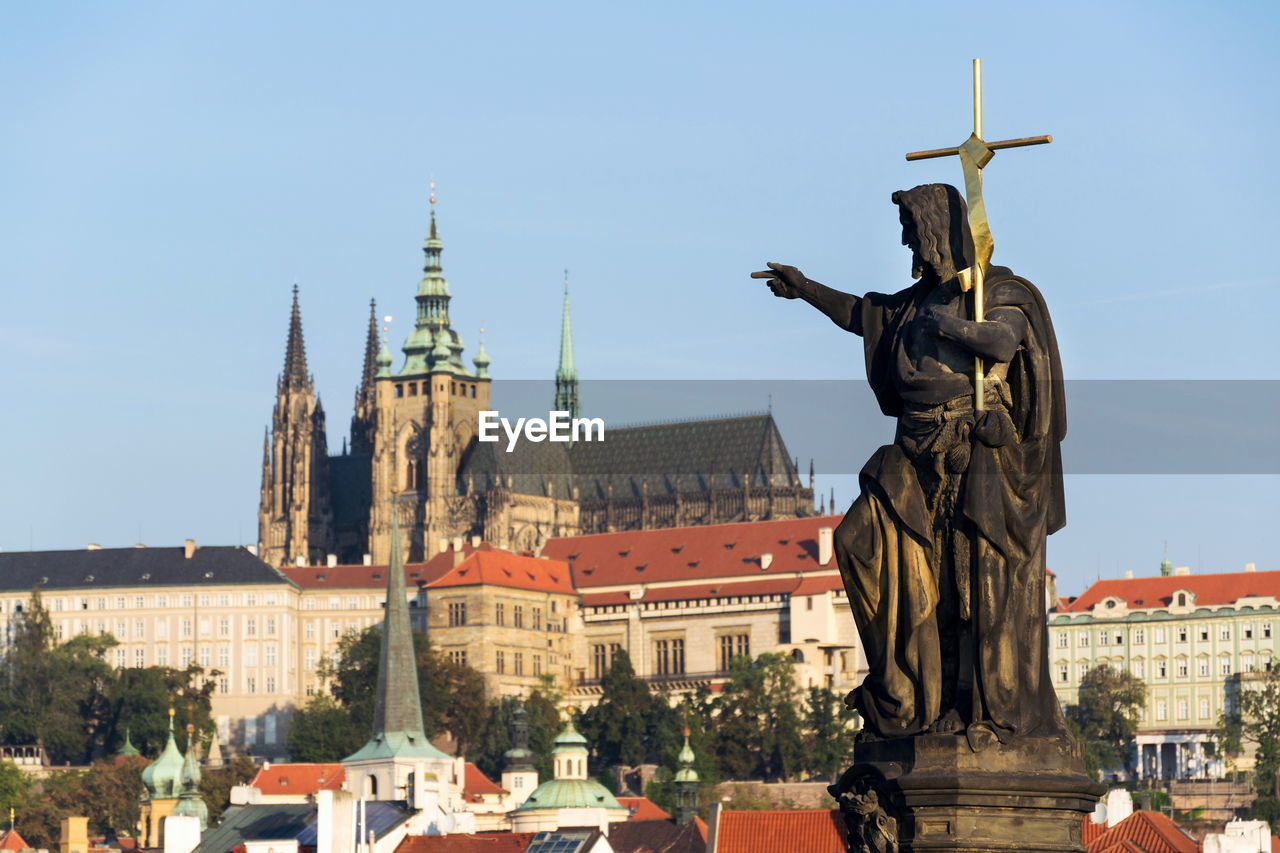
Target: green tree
(828, 733)
(51, 799)
(1106, 718)
(618, 725)
(323, 731)
(1253, 721)
(758, 732)
(14, 786)
(494, 737)
(140, 700)
(54, 695)
(110, 792)
(452, 695)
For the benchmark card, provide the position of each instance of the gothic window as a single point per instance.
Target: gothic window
(457, 613)
(518, 661)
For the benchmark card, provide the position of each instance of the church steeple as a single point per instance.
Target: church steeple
(295, 374)
(432, 335)
(364, 417)
(566, 373)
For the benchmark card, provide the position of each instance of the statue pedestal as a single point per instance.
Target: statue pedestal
(932, 792)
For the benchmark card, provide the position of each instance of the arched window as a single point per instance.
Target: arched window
(797, 655)
(371, 786)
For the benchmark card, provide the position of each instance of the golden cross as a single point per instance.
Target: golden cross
(974, 155)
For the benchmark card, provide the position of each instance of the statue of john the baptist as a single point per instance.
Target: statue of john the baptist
(943, 552)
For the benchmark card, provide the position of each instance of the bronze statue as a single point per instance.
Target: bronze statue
(943, 552)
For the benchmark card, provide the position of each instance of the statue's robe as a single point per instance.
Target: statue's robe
(1009, 499)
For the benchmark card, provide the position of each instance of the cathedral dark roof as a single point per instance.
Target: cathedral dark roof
(351, 489)
(682, 456)
(102, 568)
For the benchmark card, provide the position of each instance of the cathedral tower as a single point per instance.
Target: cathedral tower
(426, 419)
(294, 516)
(364, 420)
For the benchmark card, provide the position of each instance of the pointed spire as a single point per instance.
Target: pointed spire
(190, 803)
(128, 748)
(566, 372)
(371, 347)
(398, 705)
(422, 345)
(295, 351)
(686, 780)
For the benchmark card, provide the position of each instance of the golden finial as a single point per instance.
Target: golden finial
(433, 191)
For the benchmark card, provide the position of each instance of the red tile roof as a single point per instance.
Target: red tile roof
(299, 779)
(644, 808)
(502, 568)
(362, 577)
(685, 553)
(484, 842)
(816, 584)
(1143, 832)
(11, 840)
(721, 589)
(475, 782)
(1158, 592)
(808, 831)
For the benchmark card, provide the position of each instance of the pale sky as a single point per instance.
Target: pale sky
(171, 169)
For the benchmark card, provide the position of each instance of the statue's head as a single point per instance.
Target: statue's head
(935, 225)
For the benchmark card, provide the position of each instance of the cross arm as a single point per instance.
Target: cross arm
(994, 146)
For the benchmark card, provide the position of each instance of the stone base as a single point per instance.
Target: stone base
(932, 792)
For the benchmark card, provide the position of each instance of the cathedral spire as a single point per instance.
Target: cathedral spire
(566, 372)
(432, 345)
(371, 347)
(295, 351)
(397, 706)
(365, 414)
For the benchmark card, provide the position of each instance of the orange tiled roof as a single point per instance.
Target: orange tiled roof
(1158, 592)
(484, 842)
(475, 782)
(362, 577)
(301, 779)
(696, 591)
(686, 553)
(806, 831)
(702, 827)
(1144, 832)
(1091, 830)
(502, 568)
(11, 840)
(644, 808)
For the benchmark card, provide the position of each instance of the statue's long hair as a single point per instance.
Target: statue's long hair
(942, 225)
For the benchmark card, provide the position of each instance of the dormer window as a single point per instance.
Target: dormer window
(1182, 599)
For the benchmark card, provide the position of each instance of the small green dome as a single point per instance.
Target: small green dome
(163, 777)
(570, 740)
(128, 748)
(571, 794)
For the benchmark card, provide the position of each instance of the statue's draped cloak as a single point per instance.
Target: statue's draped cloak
(1012, 498)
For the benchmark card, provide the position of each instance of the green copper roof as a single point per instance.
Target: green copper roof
(163, 777)
(570, 740)
(570, 794)
(190, 803)
(686, 773)
(566, 369)
(128, 748)
(397, 710)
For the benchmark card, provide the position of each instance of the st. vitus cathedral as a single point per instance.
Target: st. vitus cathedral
(413, 450)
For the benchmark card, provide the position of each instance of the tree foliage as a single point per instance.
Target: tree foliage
(1106, 717)
(216, 784)
(452, 694)
(1252, 722)
(758, 727)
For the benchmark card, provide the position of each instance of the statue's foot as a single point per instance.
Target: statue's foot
(981, 736)
(851, 700)
(948, 724)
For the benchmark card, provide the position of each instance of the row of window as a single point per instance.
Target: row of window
(693, 602)
(353, 602)
(457, 611)
(1160, 668)
(517, 663)
(204, 656)
(142, 602)
(668, 654)
(457, 389)
(1180, 634)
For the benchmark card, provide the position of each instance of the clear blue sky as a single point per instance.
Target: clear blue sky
(171, 169)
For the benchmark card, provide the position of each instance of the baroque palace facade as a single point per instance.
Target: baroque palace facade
(413, 450)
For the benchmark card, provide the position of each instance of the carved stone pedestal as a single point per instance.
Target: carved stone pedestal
(932, 792)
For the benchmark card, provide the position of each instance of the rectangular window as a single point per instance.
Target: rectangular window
(204, 627)
(139, 658)
(269, 724)
(1182, 635)
(1203, 632)
(206, 600)
(250, 729)
(186, 627)
(1063, 673)
(309, 604)
(353, 603)
(120, 605)
(309, 659)
(1118, 638)
(224, 627)
(162, 629)
(271, 684)
(599, 661)
(224, 656)
(121, 659)
(1248, 631)
(250, 684)
(517, 615)
(187, 600)
(459, 657)
(139, 629)
(458, 613)
(1224, 666)
(1084, 639)
(269, 654)
(271, 626)
(537, 619)
(518, 660)
(184, 656)
(162, 655)
(1182, 709)
(122, 633)
(1266, 630)
(224, 685)
(500, 613)
(1103, 637)
(224, 600)
(162, 602)
(1204, 708)
(309, 630)
(1062, 639)
(250, 599)
(1162, 710)
(251, 655)
(1139, 635)
(1202, 666)
(204, 656)
(1224, 632)
(1140, 669)
(1182, 669)
(537, 665)
(501, 663)
(1162, 669)
(1082, 669)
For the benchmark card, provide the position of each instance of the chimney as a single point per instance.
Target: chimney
(1250, 567)
(457, 543)
(475, 541)
(252, 549)
(826, 543)
(189, 548)
(444, 545)
(1128, 575)
(94, 546)
(331, 560)
(458, 556)
(766, 560)
(299, 561)
(368, 560)
(1182, 570)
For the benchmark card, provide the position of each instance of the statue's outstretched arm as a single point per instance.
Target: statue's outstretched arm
(996, 338)
(789, 283)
